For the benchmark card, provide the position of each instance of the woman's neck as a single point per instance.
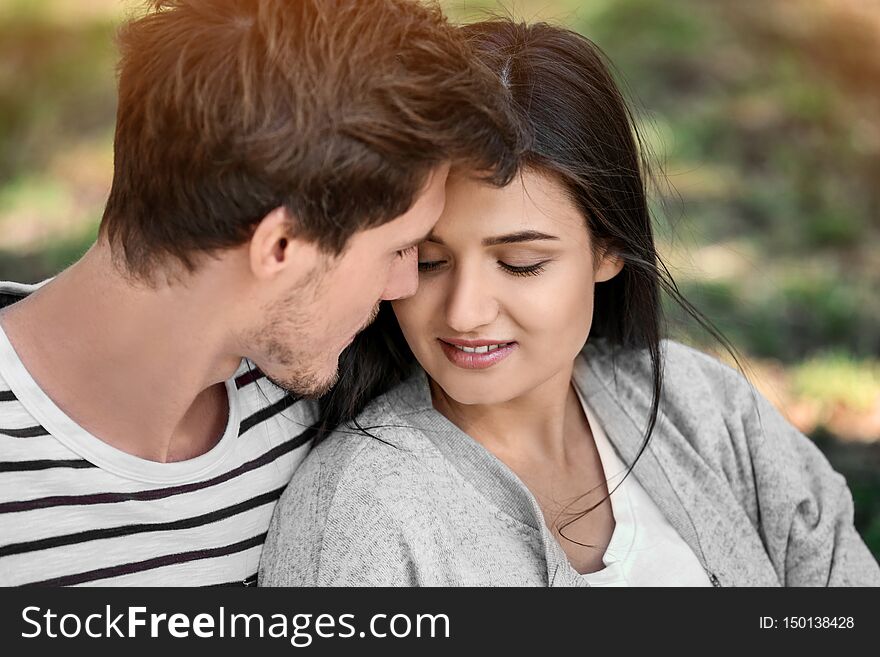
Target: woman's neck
(534, 425)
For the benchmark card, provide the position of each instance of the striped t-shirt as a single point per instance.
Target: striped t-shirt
(76, 511)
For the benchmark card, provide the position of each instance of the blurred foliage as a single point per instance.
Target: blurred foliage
(762, 117)
(56, 85)
(836, 377)
(57, 111)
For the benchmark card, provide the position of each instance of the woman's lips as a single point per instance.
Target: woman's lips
(473, 360)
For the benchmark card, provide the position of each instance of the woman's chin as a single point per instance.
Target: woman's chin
(472, 394)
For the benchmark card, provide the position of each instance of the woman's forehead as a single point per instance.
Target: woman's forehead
(532, 201)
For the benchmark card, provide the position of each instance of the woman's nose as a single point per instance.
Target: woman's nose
(470, 303)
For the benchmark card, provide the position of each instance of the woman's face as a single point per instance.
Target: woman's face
(505, 298)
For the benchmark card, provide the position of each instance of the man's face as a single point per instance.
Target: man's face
(299, 343)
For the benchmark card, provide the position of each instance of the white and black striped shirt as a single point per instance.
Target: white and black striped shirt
(76, 511)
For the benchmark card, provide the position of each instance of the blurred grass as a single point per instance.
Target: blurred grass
(764, 118)
(837, 378)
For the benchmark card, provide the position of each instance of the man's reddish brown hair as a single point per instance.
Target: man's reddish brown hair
(334, 109)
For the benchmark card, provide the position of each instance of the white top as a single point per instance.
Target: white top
(645, 550)
(76, 511)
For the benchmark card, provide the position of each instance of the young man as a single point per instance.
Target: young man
(275, 163)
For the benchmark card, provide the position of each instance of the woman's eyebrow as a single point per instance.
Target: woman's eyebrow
(510, 238)
(513, 238)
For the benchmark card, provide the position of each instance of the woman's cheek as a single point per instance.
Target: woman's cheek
(401, 312)
(414, 316)
(561, 310)
(547, 297)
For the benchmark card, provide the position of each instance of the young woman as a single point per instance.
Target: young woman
(526, 423)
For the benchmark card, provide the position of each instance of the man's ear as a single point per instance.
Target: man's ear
(276, 249)
(610, 265)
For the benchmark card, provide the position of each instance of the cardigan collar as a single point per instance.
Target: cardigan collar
(596, 375)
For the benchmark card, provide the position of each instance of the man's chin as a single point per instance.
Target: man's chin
(306, 387)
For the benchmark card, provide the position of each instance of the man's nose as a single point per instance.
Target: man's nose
(403, 279)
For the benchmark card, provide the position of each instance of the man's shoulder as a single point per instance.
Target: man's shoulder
(17, 423)
(10, 291)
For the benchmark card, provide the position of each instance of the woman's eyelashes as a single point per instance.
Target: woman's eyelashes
(429, 266)
(515, 270)
(528, 270)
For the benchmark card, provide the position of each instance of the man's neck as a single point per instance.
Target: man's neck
(140, 368)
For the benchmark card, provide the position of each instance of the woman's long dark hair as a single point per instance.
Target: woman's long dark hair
(578, 128)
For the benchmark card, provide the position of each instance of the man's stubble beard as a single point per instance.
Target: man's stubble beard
(281, 337)
(304, 387)
(283, 331)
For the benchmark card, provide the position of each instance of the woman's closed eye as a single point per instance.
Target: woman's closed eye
(428, 266)
(523, 270)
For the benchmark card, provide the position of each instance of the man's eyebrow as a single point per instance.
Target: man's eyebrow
(510, 238)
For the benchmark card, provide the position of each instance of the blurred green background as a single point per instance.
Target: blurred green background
(764, 118)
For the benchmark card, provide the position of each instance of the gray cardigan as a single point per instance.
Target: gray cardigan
(426, 505)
